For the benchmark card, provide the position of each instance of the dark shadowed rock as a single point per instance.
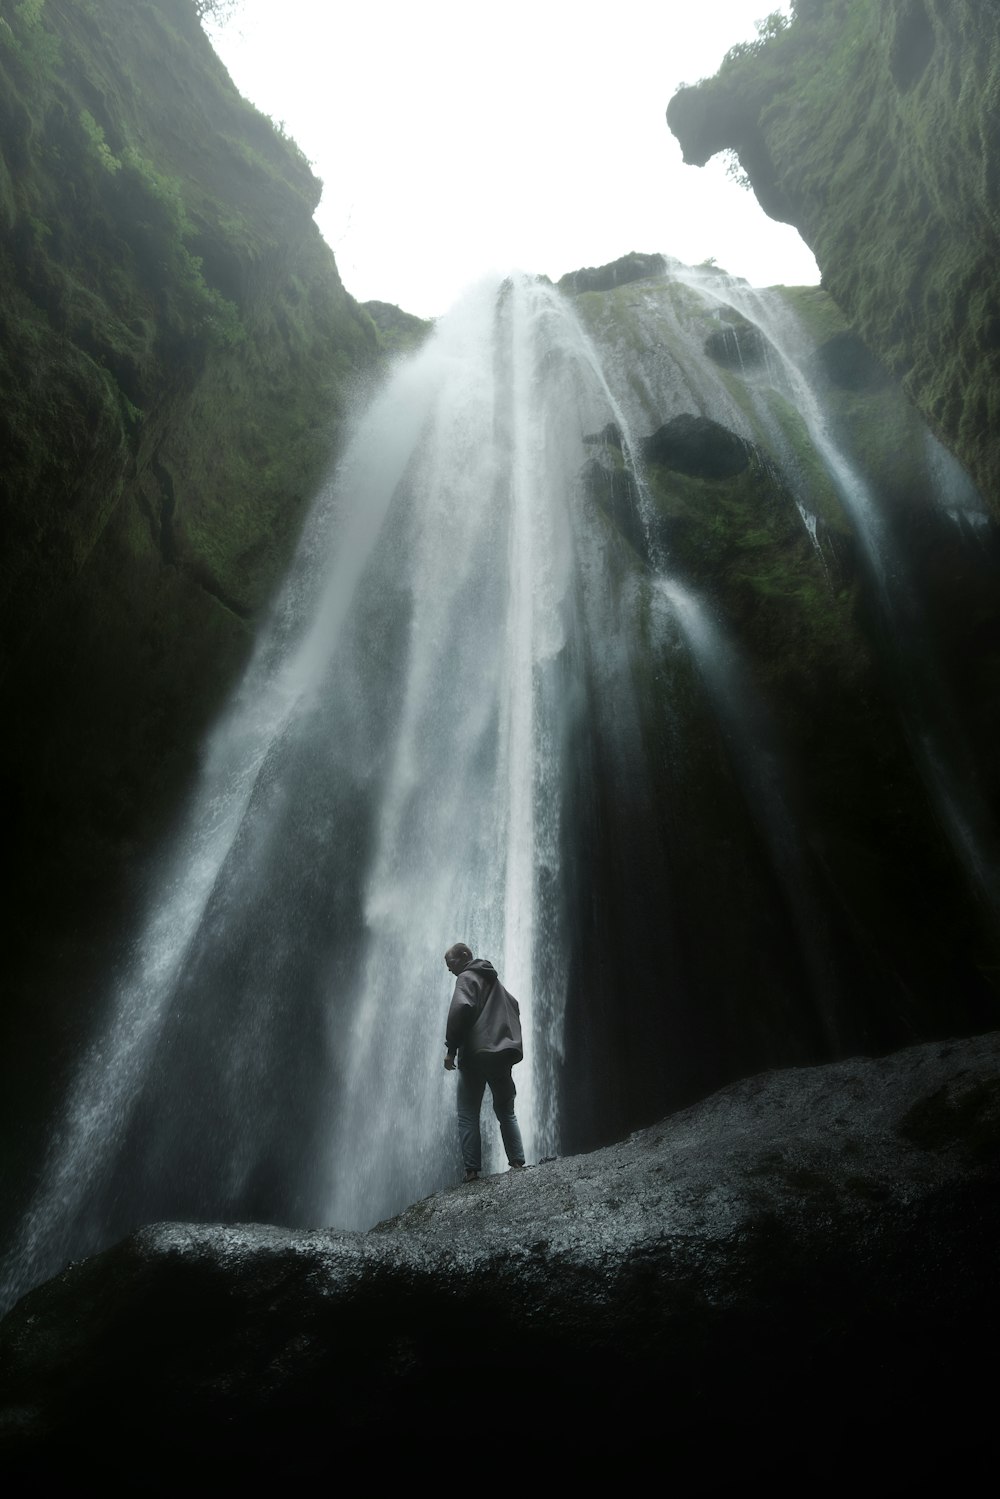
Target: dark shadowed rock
(795, 1271)
(737, 347)
(706, 123)
(615, 490)
(698, 446)
(847, 363)
(610, 436)
(631, 267)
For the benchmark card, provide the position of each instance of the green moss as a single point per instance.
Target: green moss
(815, 309)
(145, 249)
(29, 37)
(398, 332)
(109, 161)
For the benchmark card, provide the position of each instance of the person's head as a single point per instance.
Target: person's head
(457, 957)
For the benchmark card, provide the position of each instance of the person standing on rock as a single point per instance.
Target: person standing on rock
(483, 1038)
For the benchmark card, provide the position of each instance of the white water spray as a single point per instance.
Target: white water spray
(387, 780)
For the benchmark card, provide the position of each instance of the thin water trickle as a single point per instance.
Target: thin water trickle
(756, 757)
(955, 492)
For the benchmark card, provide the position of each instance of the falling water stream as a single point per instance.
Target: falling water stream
(387, 780)
(756, 757)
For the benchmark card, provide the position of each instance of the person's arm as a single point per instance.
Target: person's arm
(459, 1014)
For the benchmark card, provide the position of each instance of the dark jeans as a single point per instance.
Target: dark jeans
(474, 1076)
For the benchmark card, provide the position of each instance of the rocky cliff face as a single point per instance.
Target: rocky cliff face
(836, 610)
(871, 125)
(176, 351)
(787, 1278)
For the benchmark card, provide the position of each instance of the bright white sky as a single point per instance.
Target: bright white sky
(455, 138)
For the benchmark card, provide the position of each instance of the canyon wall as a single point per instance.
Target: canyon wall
(872, 126)
(177, 353)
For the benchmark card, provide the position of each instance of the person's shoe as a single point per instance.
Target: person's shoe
(472, 1176)
(517, 1165)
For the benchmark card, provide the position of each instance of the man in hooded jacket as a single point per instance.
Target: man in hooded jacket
(483, 1038)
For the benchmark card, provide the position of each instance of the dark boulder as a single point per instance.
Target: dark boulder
(738, 346)
(697, 446)
(793, 1273)
(609, 436)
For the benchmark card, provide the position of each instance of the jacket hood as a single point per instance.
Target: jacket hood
(479, 965)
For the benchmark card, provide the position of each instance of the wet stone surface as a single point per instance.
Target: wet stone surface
(808, 1250)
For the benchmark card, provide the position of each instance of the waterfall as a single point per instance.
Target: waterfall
(487, 707)
(928, 713)
(387, 779)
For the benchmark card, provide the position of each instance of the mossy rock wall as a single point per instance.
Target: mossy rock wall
(874, 939)
(177, 353)
(873, 126)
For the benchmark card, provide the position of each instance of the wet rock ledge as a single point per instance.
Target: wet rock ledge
(787, 1280)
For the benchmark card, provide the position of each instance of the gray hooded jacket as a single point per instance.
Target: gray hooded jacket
(483, 1017)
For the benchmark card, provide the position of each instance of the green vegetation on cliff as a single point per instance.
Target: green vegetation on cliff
(177, 353)
(160, 270)
(399, 332)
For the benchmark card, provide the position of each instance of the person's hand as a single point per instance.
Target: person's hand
(449, 1063)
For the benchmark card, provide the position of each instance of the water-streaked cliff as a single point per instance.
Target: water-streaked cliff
(872, 126)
